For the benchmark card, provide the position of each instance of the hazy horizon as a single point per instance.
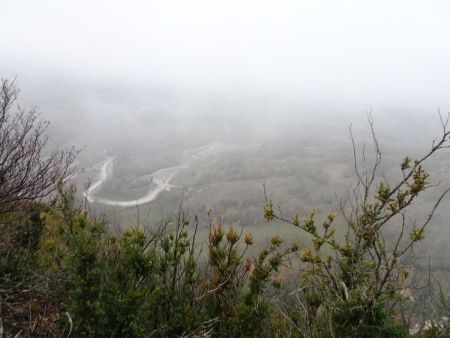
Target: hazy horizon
(145, 82)
(380, 53)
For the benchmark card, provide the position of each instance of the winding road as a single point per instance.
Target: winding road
(161, 182)
(160, 178)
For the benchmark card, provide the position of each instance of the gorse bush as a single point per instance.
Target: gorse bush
(355, 283)
(158, 282)
(64, 273)
(144, 283)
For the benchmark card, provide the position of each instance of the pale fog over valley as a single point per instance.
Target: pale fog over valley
(218, 107)
(260, 116)
(205, 102)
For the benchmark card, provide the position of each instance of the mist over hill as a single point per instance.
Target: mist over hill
(205, 125)
(225, 147)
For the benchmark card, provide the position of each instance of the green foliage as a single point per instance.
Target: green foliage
(141, 283)
(19, 238)
(353, 320)
(157, 283)
(351, 286)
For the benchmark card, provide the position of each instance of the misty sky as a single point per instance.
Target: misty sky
(371, 52)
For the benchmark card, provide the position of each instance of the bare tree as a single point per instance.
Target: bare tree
(27, 170)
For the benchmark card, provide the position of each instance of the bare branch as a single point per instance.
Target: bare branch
(28, 171)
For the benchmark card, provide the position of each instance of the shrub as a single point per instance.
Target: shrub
(351, 286)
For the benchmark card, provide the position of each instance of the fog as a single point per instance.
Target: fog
(228, 96)
(267, 117)
(371, 53)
